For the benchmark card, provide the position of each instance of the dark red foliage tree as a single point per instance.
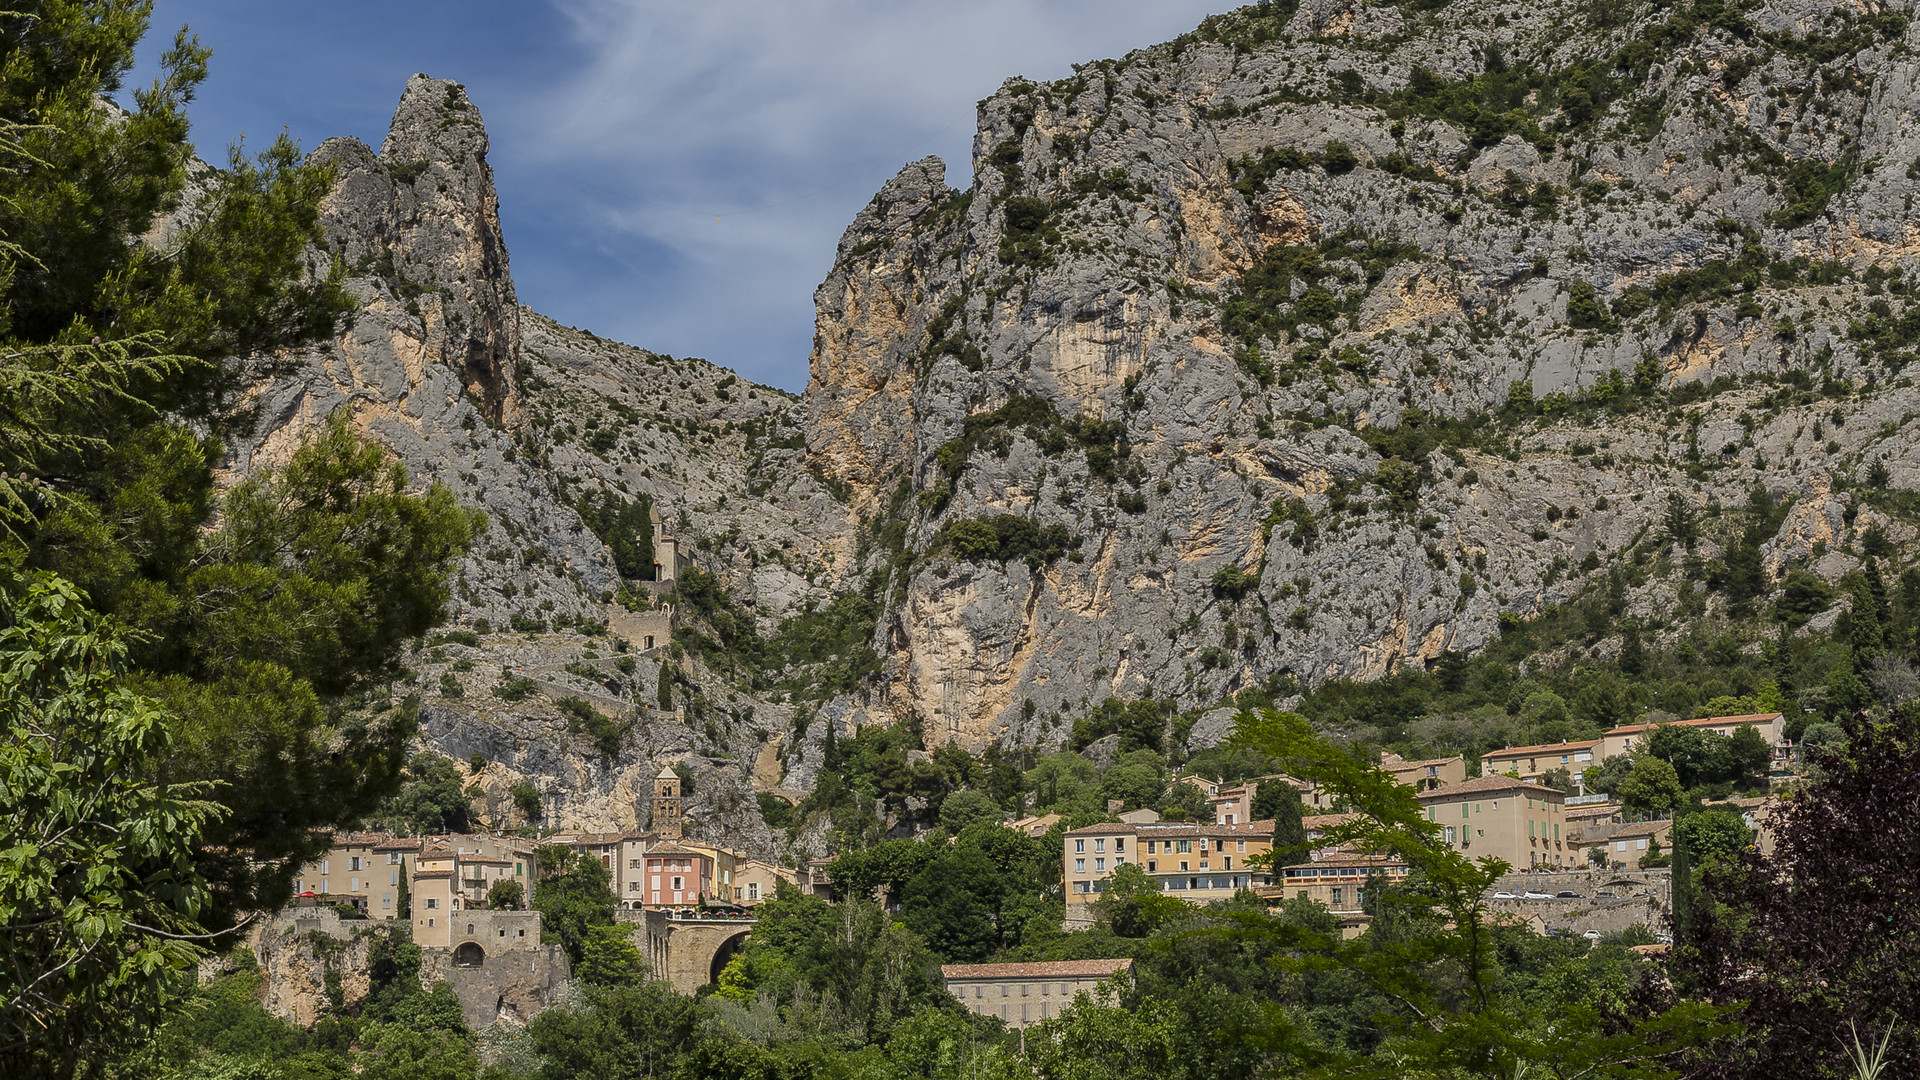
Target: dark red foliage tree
(1822, 936)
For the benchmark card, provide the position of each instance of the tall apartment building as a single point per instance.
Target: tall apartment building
(1498, 816)
(1196, 862)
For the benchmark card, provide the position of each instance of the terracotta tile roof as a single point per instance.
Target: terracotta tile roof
(1706, 721)
(1582, 813)
(398, 844)
(433, 874)
(1485, 783)
(1326, 821)
(1523, 751)
(1053, 969)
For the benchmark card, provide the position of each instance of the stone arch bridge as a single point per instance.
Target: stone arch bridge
(686, 951)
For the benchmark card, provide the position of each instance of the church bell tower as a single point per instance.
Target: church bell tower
(666, 804)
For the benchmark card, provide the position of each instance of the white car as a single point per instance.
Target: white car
(1538, 896)
(1591, 935)
(1504, 896)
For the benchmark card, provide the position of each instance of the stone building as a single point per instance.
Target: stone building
(676, 877)
(1023, 994)
(1509, 819)
(1196, 862)
(667, 804)
(1533, 762)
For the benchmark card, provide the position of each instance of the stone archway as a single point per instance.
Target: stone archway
(724, 953)
(469, 954)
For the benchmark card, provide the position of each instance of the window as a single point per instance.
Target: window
(1530, 832)
(1099, 845)
(677, 883)
(1152, 865)
(1620, 845)
(1079, 886)
(1463, 809)
(1079, 847)
(1183, 846)
(323, 887)
(1184, 865)
(1153, 846)
(1004, 992)
(1079, 866)
(1119, 844)
(1118, 863)
(386, 900)
(326, 866)
(1640, 844)
(1023, 989)
(393, 858)
(393, 877)
(753, 890)
(979, 991)
(1239, 845)
(1099, 865)
(429, 923)
(353, 863)
(353, 884)
(633, 864)
(1556, 832)
(1339, 895)
(431, 905)
(1450, 836)
(1227, 862)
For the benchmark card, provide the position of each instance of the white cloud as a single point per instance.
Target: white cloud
(780, 119)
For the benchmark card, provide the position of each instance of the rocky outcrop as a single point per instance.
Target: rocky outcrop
(1229, 266)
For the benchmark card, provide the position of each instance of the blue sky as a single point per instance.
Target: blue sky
(622, 129)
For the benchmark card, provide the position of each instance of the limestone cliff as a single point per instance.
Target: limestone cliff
(1209, 308)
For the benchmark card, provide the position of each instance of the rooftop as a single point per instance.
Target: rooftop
(1705, 721)
(1159, 829)
(1485, 784)
(1521, 751)
(1053, 969)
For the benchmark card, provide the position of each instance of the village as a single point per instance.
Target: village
(1580, 864)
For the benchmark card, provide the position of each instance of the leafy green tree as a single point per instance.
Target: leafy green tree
(1820, 937)
(963, 808)
(1280, 802)
(622, 1033)
(526, 799)
(269, 619)
(1651, 788)
(1433, 953)
(506, 894)
(432, 799)
(573, 897)
(1098, 1040)
(1134, 906)
(1184, 802)
(100, 899)
(608, 957)
(1136, 779)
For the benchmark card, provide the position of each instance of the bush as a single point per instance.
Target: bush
(526, 798)
(1003, 538)
(1232, 583)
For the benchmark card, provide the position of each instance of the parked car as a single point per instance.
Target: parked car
(1504, 896)
(1591, 935)
(1567, 894)
(1531, 895)
(1664, 939)
(1604, 896)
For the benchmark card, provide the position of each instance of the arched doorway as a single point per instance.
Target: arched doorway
(469, 954)
(723, 955)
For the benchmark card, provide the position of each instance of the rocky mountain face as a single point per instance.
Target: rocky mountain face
(527, 419)
(1315, 342)
(1310, 345)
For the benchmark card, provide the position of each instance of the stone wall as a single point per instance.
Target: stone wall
(509, 987)
(509, 977)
